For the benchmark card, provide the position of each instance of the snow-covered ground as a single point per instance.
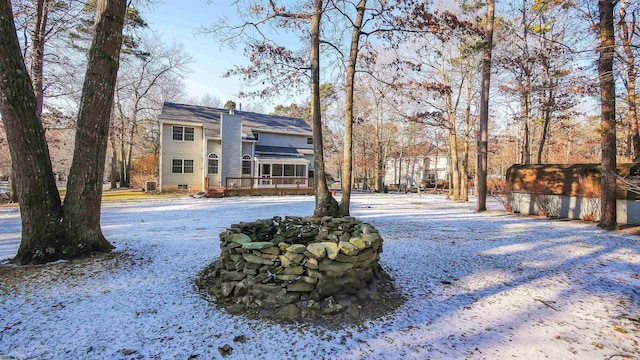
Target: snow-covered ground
(480, 286)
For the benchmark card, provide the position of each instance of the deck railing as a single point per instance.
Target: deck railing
(268, 183)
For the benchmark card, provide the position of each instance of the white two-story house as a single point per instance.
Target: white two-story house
(203, 148)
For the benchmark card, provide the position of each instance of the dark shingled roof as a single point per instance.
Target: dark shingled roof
(251, 121)
(278, 150)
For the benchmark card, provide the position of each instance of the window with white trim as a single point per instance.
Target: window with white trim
(212, 164)
(181, 166)
(183, 133)
(246, 165)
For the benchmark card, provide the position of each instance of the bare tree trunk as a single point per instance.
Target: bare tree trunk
(37, 52)
(455, 175)
(630, 63)
(464, 169)
(347, 164)
(326, 205)
(606, 49)
(114, 159)
(84, 189)
(483, 145)
(32, 175)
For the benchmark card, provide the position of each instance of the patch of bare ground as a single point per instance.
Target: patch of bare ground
(19, 276)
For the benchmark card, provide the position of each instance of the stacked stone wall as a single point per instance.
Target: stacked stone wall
(294, 265)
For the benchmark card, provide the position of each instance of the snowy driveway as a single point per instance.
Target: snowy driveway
(480, 286)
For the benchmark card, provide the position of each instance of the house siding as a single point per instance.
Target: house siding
(284, 140)
(189, 150)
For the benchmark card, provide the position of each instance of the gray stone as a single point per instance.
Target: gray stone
(271, 251)
(360, 243)
(290, 311)
(226, 288)
(296, 248)
(286, 277)
(256, 259)
(336, 267)
(240, 238)
(331, 249)
(294, 257)
(296, 270)
(232, 275)
(300, 287)
(317, 249)
(311, 263)
(348, 248)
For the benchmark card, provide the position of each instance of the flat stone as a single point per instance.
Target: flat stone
(290, 311)
(311, 263)
(287, 297)
(287, 277)
(240, 238)
(294, 257)
(226, 288)
(285, 261)
(249, 271)
(296, 270)
(256, 259)
(259, 245)
(348, 248)
(232, 275)
(317, 249)
(308, 279)
(283, 246)
(360, 243)
(336, 267)
(368, 229)
(296, 248)
(331, 248)
(300, 287)
(271, 251)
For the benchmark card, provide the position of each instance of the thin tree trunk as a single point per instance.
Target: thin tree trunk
(455, 176)
(37, 52)
(114, 157)
(35, 186)
(606, 50)
(347, 164)
(84, 189)
(464, 169)
(326, 205)
(630, 63)
(483, 146)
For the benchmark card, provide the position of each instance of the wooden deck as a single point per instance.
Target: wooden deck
(251, 186)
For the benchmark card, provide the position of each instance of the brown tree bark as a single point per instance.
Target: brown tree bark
(347, 164)
(627, 34)
(483, 143)
(606, 50)
(38, 197)
(326, 205)
(84, 189)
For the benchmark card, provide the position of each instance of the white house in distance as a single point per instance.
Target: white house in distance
(203, 148)
(418, 170)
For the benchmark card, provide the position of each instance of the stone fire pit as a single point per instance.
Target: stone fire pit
(298, 268)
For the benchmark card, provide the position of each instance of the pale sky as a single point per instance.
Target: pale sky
(182, 21)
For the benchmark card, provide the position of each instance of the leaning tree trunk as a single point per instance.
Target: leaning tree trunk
(606, 49)
(38, 197)
(84, 190)
(326, 205)
(483, 143)
(347, 164)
